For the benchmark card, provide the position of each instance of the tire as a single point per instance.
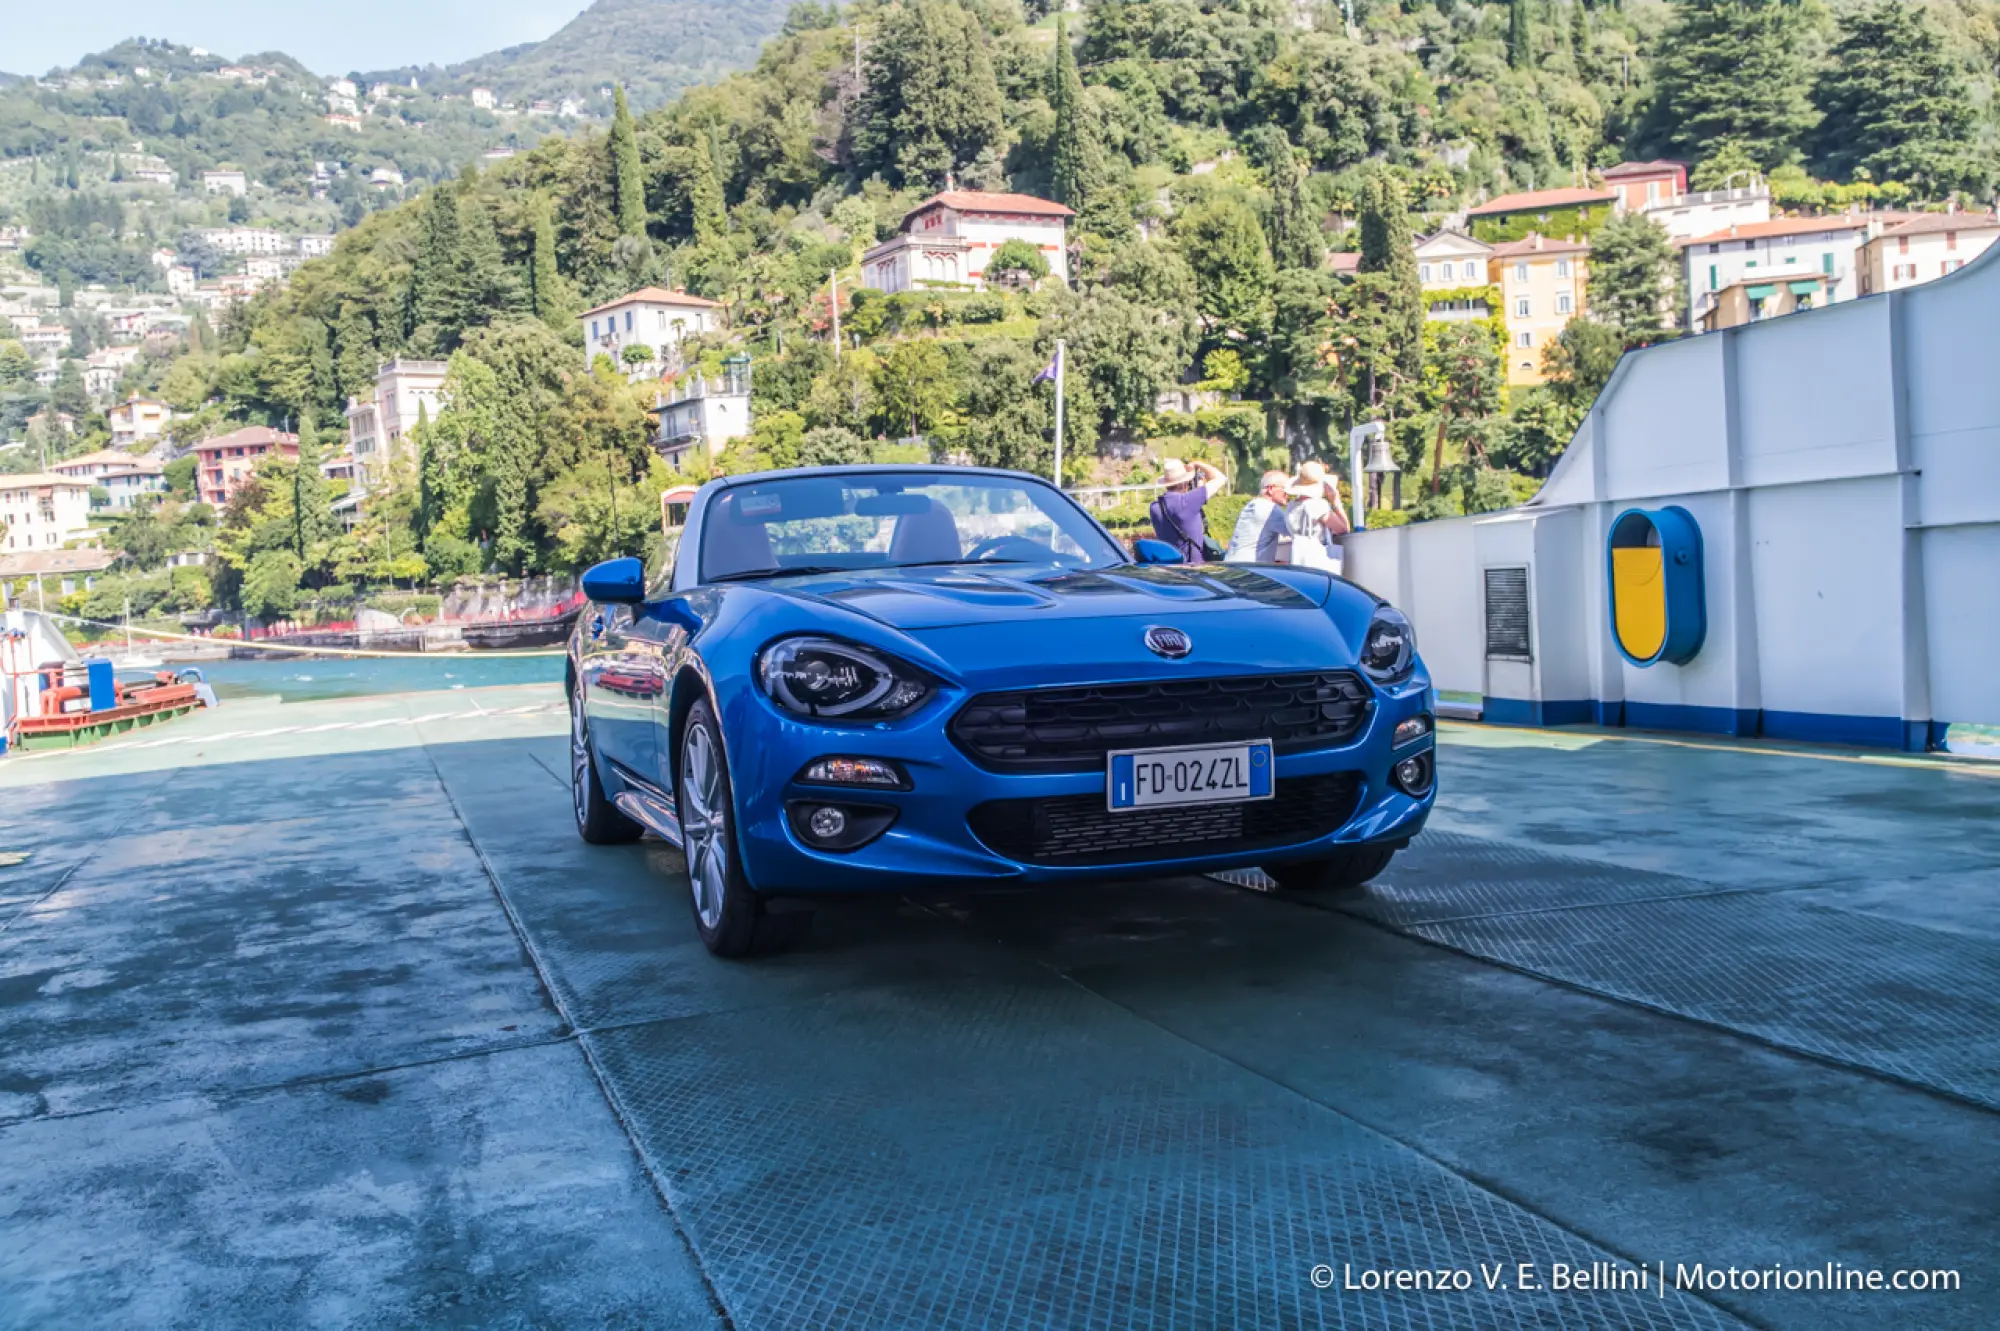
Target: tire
(1345, 870)
(598, 820)
(728, 914)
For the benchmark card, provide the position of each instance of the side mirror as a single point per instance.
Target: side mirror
(616, 582)
(1146, 550)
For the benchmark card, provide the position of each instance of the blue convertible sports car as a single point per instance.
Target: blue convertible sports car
(894, 678)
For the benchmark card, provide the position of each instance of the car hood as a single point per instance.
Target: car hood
(946, 596)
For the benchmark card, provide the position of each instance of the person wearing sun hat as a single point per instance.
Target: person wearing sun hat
(1177, 514)
(1318, 522)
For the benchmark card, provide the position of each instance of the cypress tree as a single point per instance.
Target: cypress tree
(544, 282)
(628, 179)
(355, 355)
(705, 200)
(434, 290)
(1389, 248)
(1293, 231)
(312, 518)
(485, 284)
(1518, 34)
(1070, 167)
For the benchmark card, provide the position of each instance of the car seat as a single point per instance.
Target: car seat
(737, 545)
(925, 537)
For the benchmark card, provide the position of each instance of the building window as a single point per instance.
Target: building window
(1524, 339)
(628, 321)
(593, 330)
(1562, 304)
(1521, 308)
(1520, 272)
(1562, 267)
(1826, 263)
(1711, 277)
(1902, 244)
(1424, 272)
(1951, 240)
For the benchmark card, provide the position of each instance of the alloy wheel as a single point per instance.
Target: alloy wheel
(704, 824)
(579, 759)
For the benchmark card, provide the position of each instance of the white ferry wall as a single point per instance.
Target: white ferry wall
(1843, 465)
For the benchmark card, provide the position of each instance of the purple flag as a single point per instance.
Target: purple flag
(1048, 374)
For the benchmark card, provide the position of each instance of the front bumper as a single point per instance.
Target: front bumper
(931, 843)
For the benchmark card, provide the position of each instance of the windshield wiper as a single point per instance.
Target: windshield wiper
(938, 563)
(751, 574)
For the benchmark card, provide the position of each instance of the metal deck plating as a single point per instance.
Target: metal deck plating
(320, 1013)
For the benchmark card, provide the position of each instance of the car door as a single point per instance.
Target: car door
(622, 674)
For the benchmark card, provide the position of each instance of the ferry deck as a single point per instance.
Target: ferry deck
(320, 1013)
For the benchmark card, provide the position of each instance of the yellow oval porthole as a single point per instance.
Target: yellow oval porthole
(1657, 611)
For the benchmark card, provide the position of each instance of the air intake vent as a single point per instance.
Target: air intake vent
(1507, 615)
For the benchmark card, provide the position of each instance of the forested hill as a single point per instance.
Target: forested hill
(154, 103)
(1215, 154)
(654, 48)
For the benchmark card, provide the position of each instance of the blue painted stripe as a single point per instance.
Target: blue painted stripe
(1121, 781)
(1740, 722)
(1520, 712)
(1884, 732)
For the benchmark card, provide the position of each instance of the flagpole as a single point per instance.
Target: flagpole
(1059, 410)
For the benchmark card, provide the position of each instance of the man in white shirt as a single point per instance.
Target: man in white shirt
(1317, 521)
(1260, 535)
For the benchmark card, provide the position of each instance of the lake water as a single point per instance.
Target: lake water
(308, 678)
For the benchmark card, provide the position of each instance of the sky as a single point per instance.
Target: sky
(329, 38)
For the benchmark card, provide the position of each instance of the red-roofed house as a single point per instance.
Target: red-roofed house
(1926, 247)
(227, 460)
(1642, 185)
(1784, 248)
(948, 238)
(1549, 211)
(650, 318)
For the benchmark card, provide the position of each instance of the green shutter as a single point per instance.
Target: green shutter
(1826, 263)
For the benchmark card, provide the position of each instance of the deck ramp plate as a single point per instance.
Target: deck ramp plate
(1032, 1155)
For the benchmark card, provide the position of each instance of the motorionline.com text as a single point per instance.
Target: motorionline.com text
(1657, 1278)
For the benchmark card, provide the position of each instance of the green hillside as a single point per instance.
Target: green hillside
(654, 48)
(183, 113)
(1215, 153)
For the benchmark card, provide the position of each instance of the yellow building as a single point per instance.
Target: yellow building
(1450, 265)
(1542, 284)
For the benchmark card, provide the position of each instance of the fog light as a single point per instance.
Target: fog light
(1413, 773)
(1410, 731)
(855, 772)
(837, 827)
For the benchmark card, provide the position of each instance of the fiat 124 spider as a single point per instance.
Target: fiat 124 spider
(903, 678)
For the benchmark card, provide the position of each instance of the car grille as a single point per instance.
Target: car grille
(1071, 729)
(1078, 830)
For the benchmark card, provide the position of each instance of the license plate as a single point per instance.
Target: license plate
(1195, 774)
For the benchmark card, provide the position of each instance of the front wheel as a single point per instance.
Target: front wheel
(1344, 870)
(598, 820)
(728, 914)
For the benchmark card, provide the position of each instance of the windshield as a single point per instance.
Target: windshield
(895, 519)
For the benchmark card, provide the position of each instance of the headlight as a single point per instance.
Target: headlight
(1390, 650)
(838, 681)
